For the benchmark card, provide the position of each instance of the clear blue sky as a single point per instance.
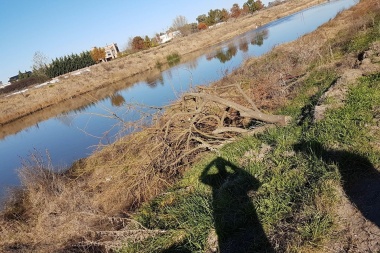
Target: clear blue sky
(61, 27)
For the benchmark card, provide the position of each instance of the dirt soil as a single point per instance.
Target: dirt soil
(104, 75)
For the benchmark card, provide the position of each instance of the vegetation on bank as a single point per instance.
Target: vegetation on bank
(282, 185)
(278, 190)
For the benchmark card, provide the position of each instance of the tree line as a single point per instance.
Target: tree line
(69, 63)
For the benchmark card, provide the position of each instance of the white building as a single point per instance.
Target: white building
(111, 51)
(169, 36)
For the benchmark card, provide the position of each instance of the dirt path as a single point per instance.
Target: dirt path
(103, 75)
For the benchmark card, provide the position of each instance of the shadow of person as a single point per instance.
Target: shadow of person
(360, 180)
(236, 223)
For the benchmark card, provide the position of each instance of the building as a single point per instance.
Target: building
(169, 36)
(111, 51)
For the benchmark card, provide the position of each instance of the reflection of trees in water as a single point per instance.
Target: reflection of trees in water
(192, 64)
(170, 74)
(117, 100)
(210, 55)
(88, 106)
(225, 56)
(243, 45)
(66, 119)
(152, 82)
(259, 37)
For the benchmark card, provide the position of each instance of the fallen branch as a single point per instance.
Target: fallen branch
(244, 111)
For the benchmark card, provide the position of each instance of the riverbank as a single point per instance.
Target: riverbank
(290, 179)
(105, 75)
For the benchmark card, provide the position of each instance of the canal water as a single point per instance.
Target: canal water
(76, 134)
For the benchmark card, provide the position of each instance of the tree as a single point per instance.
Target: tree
(138, 43)
(97, 54)
(178, 22)
(40, 61)
(214, 16)
(245, 10)
(253, 5)
(235, 11)
(202, 26)
(201, 18)
(225, 15)
(147, 42)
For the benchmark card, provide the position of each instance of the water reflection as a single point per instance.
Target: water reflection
(242, 44)
(259, 38)
(191, 65)
(117, 100)
(152, 82)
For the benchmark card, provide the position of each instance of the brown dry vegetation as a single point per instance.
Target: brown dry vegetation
(56, 210)
(105, 74)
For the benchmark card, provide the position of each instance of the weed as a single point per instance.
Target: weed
(173, 59)
(158, 64)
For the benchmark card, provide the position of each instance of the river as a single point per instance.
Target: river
(76, 134)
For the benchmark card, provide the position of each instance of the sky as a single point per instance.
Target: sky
(61, 27)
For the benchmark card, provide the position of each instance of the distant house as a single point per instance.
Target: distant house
(15, 78)
(111, 51)
(169, 36)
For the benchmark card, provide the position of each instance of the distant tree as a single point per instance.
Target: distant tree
(154, 42)
(214, 16)
(235, 11)
(147, 42)
(201, 18)
(20, 75)
(245, 10)
(194, 27)
(225, 15)
(40, 61)
(62, 65)
(254, 5)
(180, 24)
(97, 54)
(138, 43)
(202, 26)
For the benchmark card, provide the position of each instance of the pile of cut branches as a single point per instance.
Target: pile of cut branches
(205, 120)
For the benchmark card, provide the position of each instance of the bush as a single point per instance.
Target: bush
(202, 26)
(23, 83)
(173, 59)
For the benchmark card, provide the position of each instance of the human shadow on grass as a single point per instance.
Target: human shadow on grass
(236, 222)
(360, 180)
